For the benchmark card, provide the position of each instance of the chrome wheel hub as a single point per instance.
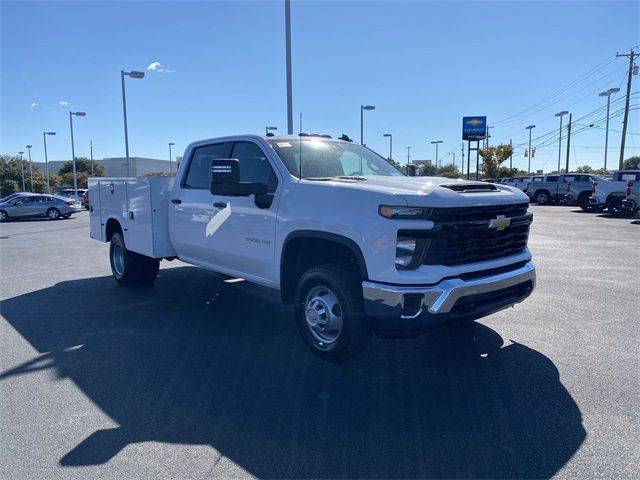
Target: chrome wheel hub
(118, 259)
(323, 315)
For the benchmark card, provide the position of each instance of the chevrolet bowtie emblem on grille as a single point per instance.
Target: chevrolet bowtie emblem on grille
(500, 222)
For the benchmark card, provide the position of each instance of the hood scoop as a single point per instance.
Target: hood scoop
(475, 187)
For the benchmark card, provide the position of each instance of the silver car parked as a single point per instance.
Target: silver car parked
(33, 206)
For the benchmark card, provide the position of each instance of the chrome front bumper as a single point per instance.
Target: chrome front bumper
(418, 307)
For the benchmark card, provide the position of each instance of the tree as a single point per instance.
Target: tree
(492, 158)
(81, 177)
(428, 170)
(11, 169)
(631, 163)
(584, 169)
(450, 171)
(7, 187)
(506, 172)
(82, 165)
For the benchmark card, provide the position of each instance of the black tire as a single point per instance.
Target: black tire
(4, 216)
(322, 286)
(542, 197)
(614, 207)
(53, 214)
(584, 204)
(147, 269)
(122, 261)
(130, 268)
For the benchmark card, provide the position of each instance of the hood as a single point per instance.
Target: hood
(437, 191)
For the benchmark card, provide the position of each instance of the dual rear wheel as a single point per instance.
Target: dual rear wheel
(130, 268)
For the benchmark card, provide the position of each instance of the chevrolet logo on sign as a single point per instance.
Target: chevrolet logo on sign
(500, 222)
(474, 122)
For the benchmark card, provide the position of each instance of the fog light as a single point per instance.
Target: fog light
(405, 248)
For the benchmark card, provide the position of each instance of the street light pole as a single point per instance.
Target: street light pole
(607, 94)
(46, 160)
(530, 127)
(28, 147)
(408, 158)
(73, 153)
(560, 114)
(287, 26)
(390, 144)
(362, 109)
(24, 188)
(170, 156)
(436, 142)
(131, 74)
(91, 155)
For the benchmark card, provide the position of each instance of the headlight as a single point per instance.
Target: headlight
(388, 211)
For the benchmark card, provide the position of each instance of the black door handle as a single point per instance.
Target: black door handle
(177, 201)
(220, 205)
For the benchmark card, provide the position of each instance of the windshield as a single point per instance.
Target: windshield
(322, 158)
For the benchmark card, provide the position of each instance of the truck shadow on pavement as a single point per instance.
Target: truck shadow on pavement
(194, 360)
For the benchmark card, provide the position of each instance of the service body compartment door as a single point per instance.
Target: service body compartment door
(144, 223)
(107, 199)
(148, 229)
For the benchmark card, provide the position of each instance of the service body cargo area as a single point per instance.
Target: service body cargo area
(147, 228)
(351, 242)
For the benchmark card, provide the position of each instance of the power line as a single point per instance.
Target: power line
(606, 62)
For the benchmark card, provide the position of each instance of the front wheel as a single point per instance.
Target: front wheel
(3, 216)
(330, 313)
(542, 197)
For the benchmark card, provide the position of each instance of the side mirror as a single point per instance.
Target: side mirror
(224, 180)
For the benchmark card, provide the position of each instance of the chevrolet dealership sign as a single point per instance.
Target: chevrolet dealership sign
(474, 128)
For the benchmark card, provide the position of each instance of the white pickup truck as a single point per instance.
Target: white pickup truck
(611, 194)
(355, 245)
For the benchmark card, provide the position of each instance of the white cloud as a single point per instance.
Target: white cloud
(65, 104)
(158, 67)
(34, 104)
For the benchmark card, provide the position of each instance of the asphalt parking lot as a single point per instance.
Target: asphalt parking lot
(198, 378)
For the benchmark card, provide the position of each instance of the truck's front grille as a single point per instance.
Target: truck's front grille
(475, 213)
(460, 243)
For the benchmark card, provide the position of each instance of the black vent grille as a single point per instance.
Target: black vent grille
(471, 187)
(473, 214)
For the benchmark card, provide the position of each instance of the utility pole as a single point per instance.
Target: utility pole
(631, 57)
(462, 151)
(568, 142)
(511, 156)
(91, 155)
(408, 158)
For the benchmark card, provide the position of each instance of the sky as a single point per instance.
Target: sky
(216, 68)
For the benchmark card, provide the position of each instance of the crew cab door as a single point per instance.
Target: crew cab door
(191, 209)
(242, 240)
